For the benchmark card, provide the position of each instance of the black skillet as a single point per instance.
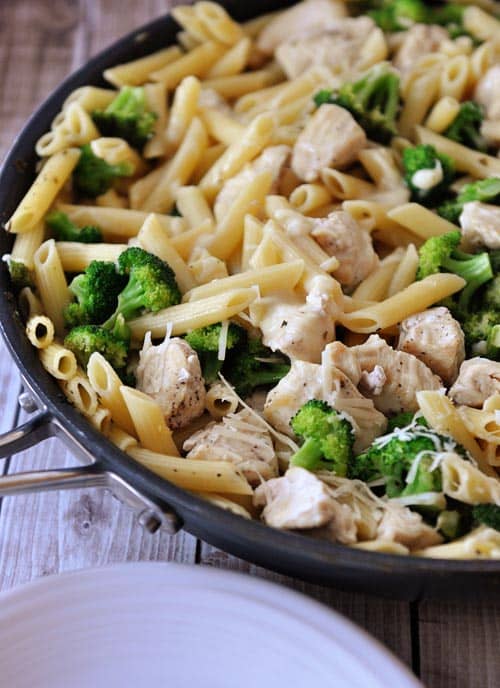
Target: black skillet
(158, 502)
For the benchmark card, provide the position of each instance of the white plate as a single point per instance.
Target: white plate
(156, 624)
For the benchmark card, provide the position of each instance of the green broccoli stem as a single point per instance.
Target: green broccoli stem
(309, 455)
(130, 301)
(493, 343)
(381, 92)
(475, 270)
(268, 375)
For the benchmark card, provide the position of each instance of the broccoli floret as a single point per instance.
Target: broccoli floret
(487, 514)
(491, 293)
(93, 176)
(373, 101)
(96, 291)
(251, 364)
(424, 157)
(84, 340)
(391, 457)
(403, 419)
(441, 253)
(127, 117)
(451, 16)
(205, 341)
(465, 128)
(151, 285)
(328, 438)
(399, 15)
(20, 274)
(484, 190)
(65, 230)
(493, 342)
(477, 327)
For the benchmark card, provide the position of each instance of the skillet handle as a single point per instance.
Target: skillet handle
(40, 427)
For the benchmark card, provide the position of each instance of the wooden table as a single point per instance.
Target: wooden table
(448, 644)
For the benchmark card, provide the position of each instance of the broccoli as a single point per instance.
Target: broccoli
(151, 285)
(399, 15)
(20, 274)
(93, 176)
(441, 253)
(127, 117)
(84, 340)
(373, 101)
(96, 291)
(484, 190)
(466, 127)
(477, 327)
(392, 458)
(65, 230)
(493, 342)
(487, 514)
(328, 438)
(451, 16)
(425, 158)
(251, 364)
(205, 341)
(403, 419)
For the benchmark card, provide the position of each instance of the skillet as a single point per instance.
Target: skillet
(158, 502)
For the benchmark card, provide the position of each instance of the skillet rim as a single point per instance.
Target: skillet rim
(289, 553)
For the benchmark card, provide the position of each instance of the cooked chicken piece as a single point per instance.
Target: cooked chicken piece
(399, 524)
(275, 159)
(480, 223)
(368, 363)
(240, 439)
(435, 338)
(420, 40)
(305, 20)
(300, 501)
(341, 236)
(477, 380)
(341, 49)
(310, 381)
(487, 92)
(331, 138)
(170, 373)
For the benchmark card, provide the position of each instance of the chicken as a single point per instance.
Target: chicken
(435, 338)
(487, 92)
(296, 328)
(399, 524)
(307, 381)
(478, 379)
(341, 49)
(341, 236)
(170, 373)
(391, 378)
(480, 223)
(240, 439)
(275, 159)
(305, 20)
(301, 501)
(420, 40)
(331, 138)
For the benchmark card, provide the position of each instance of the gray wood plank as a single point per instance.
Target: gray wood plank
(387, 620)
(459, 644)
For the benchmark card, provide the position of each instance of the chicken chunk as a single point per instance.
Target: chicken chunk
(304, 20)
(399, 524)
(170, 373)
(487, 92)
(420, 40)
(275, 159)
(435, 338)
(341, 236)
(301, 501)
(307, 381)
(391, 378)
(477, 380)
(341, 49)
(331, 138)
(480, 223)
(240, 439)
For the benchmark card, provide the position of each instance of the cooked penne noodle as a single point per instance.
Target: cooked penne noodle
(421, 221)
(197, 62)
(137, 72)
(58, 361)
(75, 256)
(40, 331)
(193, 206)
(149, 421)
(81, 393)
(51, 283)
(467, 160)
(107, 384)
(184, 107)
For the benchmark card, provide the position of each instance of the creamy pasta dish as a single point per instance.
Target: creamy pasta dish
(265, 263)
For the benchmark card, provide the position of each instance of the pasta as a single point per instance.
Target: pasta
(274, 309)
